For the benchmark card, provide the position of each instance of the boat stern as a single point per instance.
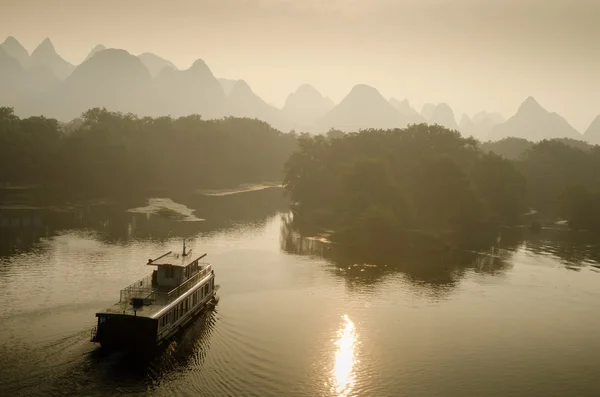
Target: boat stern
(124, 332)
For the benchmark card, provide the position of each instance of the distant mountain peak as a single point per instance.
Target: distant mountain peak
(16, 50)
(364, 89)
(45, 54)
(530, 105)
(444, 115)
(305, 105)
(155, 64)
(11, 40)
(307, 89)
(534, 123)
(241, 84)
(199, 64)
(241, 87)
(45, 47)
(363, 107)
(94, 50)
(444, 106)
(200, 67)
(114, 53)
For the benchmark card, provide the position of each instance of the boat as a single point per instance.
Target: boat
(153, 309)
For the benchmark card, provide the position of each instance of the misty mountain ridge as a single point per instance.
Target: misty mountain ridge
(94, 50)
(305, 106)
(443, 115)
(480, 126)
(243, 102)
(407, 112)
(155, 64)
(183, 92)
(110, 78)
(16, 50)
(19, 84)
(534, 123)
(45, 54)
(44, 83)
(363, 107)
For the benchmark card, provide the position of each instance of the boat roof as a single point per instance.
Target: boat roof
(174, 259)
(162, 298)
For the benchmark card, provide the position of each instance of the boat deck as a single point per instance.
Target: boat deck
(155, 298)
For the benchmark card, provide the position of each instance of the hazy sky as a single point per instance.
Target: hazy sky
(473, 54)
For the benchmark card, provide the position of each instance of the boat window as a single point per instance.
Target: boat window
(169, 272)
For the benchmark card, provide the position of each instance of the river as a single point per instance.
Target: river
(297, 316)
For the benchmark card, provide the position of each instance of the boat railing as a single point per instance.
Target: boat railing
(140, 289)
(190, 282)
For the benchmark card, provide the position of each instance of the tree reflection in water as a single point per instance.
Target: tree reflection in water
(435, 273)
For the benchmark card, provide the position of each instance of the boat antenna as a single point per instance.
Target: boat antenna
(184, 253)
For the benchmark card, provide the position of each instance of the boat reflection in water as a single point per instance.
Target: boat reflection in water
(344, 378)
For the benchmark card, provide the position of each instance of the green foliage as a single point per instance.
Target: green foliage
(581, 206)
(108, 152)
(501, 188)
(428, 183)
(549, 168)
(378, 183)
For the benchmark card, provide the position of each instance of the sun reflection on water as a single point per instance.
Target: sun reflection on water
(343, 378)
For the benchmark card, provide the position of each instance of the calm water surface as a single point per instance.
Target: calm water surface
(298, 317)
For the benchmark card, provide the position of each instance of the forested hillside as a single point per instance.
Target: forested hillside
(106, 152)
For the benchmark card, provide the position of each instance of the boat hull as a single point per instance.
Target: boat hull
(136, 333)
(125, 332)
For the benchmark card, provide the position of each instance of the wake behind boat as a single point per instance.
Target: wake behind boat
(154, 308)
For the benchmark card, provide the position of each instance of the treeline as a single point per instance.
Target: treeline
(563, 177)
(376, 184)
(107, 152)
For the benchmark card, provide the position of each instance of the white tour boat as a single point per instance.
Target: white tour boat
(157, 306)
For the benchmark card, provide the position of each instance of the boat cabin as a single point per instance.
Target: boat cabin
(173, 269)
